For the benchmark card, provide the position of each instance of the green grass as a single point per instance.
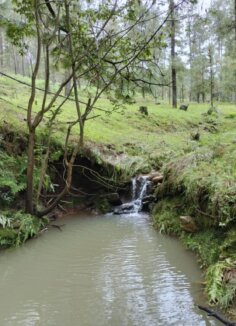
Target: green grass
(164, 134)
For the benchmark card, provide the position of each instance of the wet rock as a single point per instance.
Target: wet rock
(148, 199)
(124, 209)
(153, 175)
(146, 206)
(188, 224)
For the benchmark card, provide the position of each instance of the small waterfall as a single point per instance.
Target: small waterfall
(140, 193)
(140, 188)
(134, 188)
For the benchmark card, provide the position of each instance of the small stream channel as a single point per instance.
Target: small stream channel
(110, 270)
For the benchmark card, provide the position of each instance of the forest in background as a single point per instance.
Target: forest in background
(198, 44)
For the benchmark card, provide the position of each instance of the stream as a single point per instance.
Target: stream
(101, 270)
(106, 270)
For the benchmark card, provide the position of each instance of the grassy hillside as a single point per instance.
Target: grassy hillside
(165, 133)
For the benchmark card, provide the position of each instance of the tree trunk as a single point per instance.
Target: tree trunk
(203, 97)
(29, 208)
(173, 56)
(169, 95)
(1, 47)
(68, 85)
(235, 22)
(75, 82)
(211, 76)
(23, 65)
(14, 60)
(190, 57)
(29, 204)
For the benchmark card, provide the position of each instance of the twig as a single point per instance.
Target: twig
(205, 214)
(59, 227)
(215, 314)
(9, 102)
(49, 92)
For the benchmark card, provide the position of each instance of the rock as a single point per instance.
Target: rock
(143, 110)
(183, 107)
(188, 224)
(145, 206)
(158, 179)
(149, 198)
(153, 175)
(112, 198)
(124, 209)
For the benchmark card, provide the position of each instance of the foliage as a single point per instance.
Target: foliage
(12, 177)
(102, 205)
(165, 217)
(206, 244)
(29, 226)
(221, 289)
(17, 227)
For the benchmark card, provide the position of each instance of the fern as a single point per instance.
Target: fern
(214, 276)
(29, 227)
(219, 289)
(5, 222)
(12, 176)
(18, 228)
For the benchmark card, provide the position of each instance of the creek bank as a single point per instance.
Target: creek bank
(192, 205)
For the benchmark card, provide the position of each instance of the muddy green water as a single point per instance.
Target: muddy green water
(101, 271)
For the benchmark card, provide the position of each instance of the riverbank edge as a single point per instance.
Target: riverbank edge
(195, 217)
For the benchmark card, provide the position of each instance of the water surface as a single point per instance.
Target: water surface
(101, 271)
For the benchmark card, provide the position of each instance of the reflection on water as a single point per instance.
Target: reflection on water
(103, 271)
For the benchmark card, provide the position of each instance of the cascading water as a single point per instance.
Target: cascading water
(139, 192)
(140, 189)
(134, 188)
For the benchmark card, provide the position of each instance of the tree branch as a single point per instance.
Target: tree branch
(212, 313)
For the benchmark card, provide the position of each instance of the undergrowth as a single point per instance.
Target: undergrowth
(17, 227)
(12, 177)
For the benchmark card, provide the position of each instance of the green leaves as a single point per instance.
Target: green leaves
(221, 283)
(12, 178)
(16, 228)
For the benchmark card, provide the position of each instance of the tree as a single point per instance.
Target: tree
(91, 50)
